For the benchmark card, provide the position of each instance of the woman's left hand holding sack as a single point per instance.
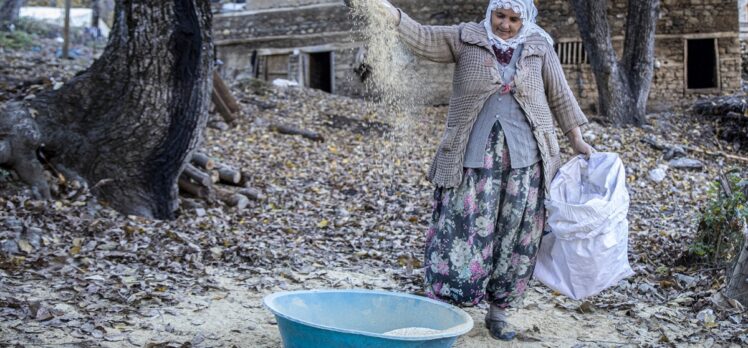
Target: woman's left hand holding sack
(578, 144)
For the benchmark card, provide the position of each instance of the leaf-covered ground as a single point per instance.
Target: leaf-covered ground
(348, 212)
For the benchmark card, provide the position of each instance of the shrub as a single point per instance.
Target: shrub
(15, 40)
(720, 235)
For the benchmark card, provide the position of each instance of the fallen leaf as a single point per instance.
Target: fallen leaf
(25, 246)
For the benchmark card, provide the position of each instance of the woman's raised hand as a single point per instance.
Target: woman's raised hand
(384, 5)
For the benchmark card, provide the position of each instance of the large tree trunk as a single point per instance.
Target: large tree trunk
(737, 288)
(623, 86)
(9, 12)
(135, 116)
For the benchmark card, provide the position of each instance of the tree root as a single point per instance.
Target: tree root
(20, 139)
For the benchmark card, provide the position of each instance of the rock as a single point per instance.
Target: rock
(219, 125)
(675, 151)
(586, 307)
(657, 175)
(646, 288)
(686, 281)
(707, 318)
(686, 163)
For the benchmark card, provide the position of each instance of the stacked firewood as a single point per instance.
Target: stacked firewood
(209, 180)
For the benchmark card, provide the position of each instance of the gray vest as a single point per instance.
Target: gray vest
(523, 149)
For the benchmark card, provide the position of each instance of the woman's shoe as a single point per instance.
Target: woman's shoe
(499, 329)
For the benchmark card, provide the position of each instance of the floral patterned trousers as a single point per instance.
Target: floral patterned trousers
(485, 233)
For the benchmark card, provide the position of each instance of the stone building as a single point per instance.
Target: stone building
(315, 42)
(743, 15)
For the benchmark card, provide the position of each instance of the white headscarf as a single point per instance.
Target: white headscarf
(527, 11)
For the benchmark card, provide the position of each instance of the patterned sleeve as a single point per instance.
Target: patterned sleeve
(435, 43)
(561, 100)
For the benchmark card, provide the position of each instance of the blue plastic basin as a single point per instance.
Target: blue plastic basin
(359, 318)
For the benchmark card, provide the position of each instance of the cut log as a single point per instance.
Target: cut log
(214, 176)
(286, 129)
(197, 175)
(252, 193)
(202, 192)
(232, 199)
(223, 91)
(186, 203)
(221, 107)
(203, 161)
(245, 179)
(229, 175)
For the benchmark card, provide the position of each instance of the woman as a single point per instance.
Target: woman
(497, 156)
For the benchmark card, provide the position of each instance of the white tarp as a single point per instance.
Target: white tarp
(587, 249)
(79, 17)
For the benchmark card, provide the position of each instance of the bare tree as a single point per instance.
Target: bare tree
(9, 10)
(128, 123)
(623, 85)
(737, 288)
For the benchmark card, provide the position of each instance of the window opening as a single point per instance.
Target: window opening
(571, 53)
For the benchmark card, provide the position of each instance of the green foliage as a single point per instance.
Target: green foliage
(720, 236)
(15, 40)
(4, 175)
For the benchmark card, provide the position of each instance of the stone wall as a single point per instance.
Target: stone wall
(272, 27)
(254, 5)
(278, 26)
(676, 17)
(730, 64)
(679, 21)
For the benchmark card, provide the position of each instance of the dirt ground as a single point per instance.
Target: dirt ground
(231, 315)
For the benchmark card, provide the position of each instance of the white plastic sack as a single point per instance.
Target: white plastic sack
(587, 249)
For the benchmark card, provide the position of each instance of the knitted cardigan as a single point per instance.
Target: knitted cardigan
(540, 88)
